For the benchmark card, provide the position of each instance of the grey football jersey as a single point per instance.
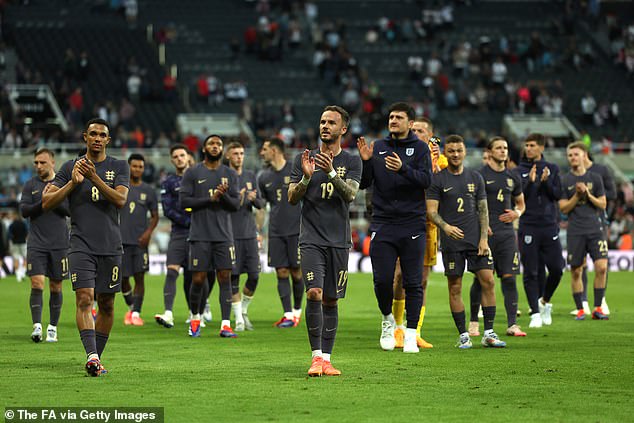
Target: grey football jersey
(243, 220)
(142, 200)
(458, 197)
(284, 217)
(501, 188)
(606, 177)
(95, 220)
(47, 230)
(325, 219)
(585, 218)
(211, 222)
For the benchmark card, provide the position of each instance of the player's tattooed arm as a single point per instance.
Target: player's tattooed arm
(432, 213)
(437, 219)
(347, 189)
(483, 217)
(296, 192)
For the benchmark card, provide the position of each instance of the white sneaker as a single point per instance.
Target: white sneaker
(189, 319)
(36, 335)
(239, 327)
(536, 321)
(202, 323)
(545, 311)
(387, 336)
(604, 307)
(164, 320)
(207, 314)
(51, 333)
(247, 322)
(410, 345)
(586, 308)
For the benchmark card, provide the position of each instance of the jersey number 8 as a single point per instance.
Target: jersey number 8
(94, 194)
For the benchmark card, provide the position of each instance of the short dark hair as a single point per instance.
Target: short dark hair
(425, 119)
(178, 147)
(345, 117)
(493, 140)
(276, 142)
(97, 121)
(403, 107)
(136, 156)
(537, 137)
(43, 150)
(212, 136)
(454, 139)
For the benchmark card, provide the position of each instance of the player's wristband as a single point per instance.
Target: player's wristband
(519, 212)
(332, 174)
(305, 181)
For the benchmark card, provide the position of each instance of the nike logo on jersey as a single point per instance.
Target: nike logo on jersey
(200, 181)
(447, 189)
(35, 192)
(415, 236)
(555, 237)
(571, 187)
(524, 175)
(113, 285)
(268, 185)
(177, 189)
(490, 182)
(382, 152)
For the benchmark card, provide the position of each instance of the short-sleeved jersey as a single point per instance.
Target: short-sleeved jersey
(134, 215)
(243, 220)
(212, 222)
(458, 197)
(501, 188)
(284, 217)
(172, 209)
(325, 217)
(606, 177)
(585, 218)
(48, 230)
(95, 220)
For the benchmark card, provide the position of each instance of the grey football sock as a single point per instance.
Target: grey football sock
(489, 317)
(55, 306)
(89, 341)
(331, 321)
(100, 341)
(284, 291)
(225, 299)
(169, 290)
(35, 301)
(298, 293)
(314, 323)
(509, 291)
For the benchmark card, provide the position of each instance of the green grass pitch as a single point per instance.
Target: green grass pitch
(568, 372)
